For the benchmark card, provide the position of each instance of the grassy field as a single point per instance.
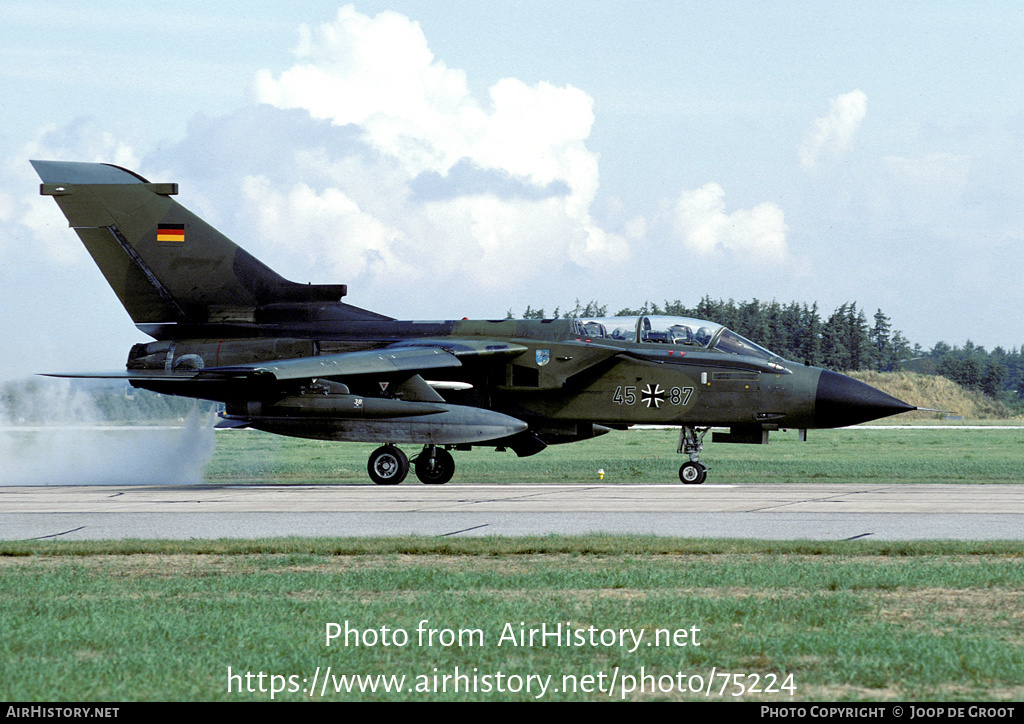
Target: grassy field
(793, 621)
(933, 455)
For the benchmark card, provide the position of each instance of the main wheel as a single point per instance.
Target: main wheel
(437, 469)
(387, 465)
(693, 473)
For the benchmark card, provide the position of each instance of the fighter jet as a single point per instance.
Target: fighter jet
(294, 359)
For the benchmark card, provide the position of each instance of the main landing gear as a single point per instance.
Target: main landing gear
(388, 465)
(691, 442)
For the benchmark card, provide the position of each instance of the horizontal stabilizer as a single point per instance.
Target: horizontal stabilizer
(184, 376)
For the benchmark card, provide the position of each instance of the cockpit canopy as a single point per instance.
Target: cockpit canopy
(670, 330)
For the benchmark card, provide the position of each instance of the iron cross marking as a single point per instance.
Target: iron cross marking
(652, 397)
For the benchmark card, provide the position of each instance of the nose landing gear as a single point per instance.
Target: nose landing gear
(691, 442)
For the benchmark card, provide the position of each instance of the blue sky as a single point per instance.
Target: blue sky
(451, 159)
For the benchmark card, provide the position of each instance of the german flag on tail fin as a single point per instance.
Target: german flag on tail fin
(174, 233)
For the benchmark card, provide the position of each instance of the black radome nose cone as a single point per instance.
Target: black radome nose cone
(843, 401)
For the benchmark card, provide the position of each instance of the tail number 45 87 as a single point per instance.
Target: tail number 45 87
(652, 395)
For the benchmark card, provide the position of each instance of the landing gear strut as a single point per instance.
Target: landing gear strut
(387, 465)
(691, 442)
(435, 465)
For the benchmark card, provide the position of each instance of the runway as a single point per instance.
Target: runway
(776, 512)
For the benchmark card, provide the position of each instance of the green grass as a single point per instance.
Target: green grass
(139, 620)
(649, 456)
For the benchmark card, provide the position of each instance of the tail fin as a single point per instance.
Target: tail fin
(166, 265)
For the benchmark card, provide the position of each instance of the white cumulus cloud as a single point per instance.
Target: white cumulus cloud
(829, 137)
(447, 186)
(700, 222)
(339, 238)
(379, 74)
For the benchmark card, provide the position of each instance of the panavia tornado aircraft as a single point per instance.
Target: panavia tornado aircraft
(293, 359)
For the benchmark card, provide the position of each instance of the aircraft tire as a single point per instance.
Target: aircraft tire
(440, 472)
(693, 473)
(387, 465)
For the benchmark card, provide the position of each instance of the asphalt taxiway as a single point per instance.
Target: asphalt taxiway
(761, 511)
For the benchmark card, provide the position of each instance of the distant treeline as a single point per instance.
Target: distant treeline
(845, 340)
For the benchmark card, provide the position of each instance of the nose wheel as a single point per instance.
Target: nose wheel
(693, 473)
(691, 442)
